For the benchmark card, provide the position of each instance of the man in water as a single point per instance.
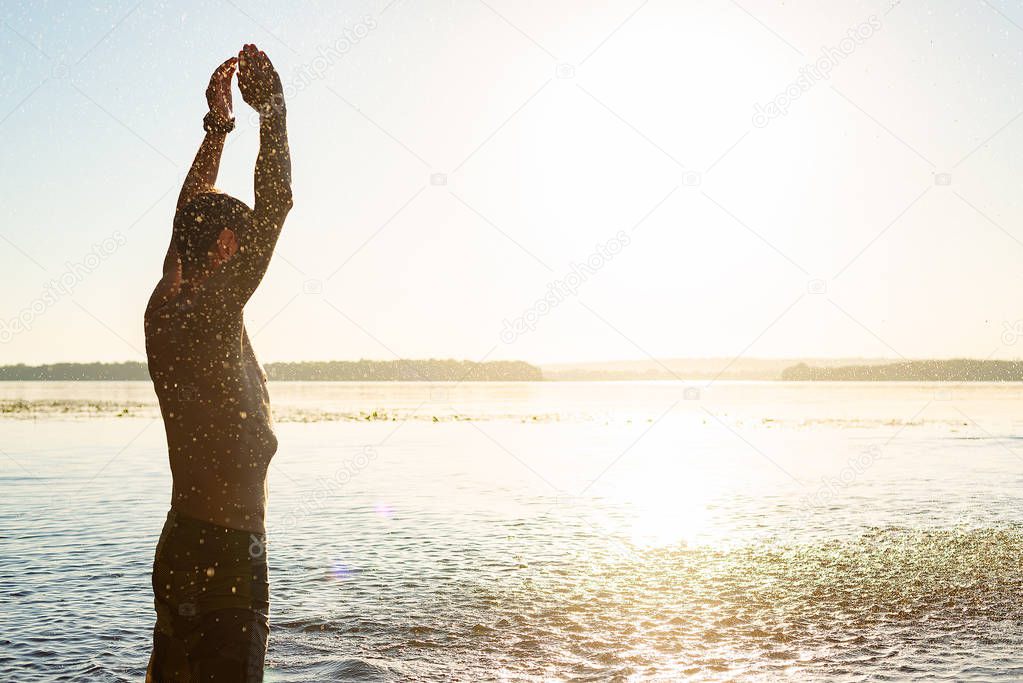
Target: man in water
(209, 574)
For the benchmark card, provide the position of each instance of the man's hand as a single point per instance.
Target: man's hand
(218, 93)
(259, 82)
(203, 174)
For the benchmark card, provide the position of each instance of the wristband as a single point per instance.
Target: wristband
(214, 123)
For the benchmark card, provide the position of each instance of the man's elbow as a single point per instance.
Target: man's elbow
(284, 202)
(277, 200)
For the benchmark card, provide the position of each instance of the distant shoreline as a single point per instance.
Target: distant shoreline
(696, 371)
(955, 370)
(823, 370)
(431, 370)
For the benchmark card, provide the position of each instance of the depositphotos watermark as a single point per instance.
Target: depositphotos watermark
(559, 290)
(314, 500)
(1012, 332)
(831, 487)
(327, 56)
(74, 274)
(814, 72)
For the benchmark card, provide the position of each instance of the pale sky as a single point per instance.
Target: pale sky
(833, 230)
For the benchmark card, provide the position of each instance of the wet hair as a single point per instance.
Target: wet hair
(199, 223)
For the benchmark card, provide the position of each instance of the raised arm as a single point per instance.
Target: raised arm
(202, 177)
(261, 88)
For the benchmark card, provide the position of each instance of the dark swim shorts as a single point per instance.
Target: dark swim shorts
(212, 604)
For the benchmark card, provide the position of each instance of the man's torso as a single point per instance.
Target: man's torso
(215, 407)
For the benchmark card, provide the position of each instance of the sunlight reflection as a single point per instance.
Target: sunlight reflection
(664, 522)
(671, 510)
(341, 570)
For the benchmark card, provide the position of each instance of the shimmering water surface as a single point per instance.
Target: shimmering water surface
(548, 531)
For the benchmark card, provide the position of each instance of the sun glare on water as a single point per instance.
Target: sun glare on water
(671, 511)
(664, 522)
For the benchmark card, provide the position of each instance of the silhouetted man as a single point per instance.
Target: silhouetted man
(209, 574)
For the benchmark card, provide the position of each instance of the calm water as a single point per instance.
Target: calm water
(548, 532)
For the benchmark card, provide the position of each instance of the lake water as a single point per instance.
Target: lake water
(548, 531)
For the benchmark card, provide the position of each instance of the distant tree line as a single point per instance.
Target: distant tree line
(432, 370)
(327, 371)
(955, 370)
(68, 372)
